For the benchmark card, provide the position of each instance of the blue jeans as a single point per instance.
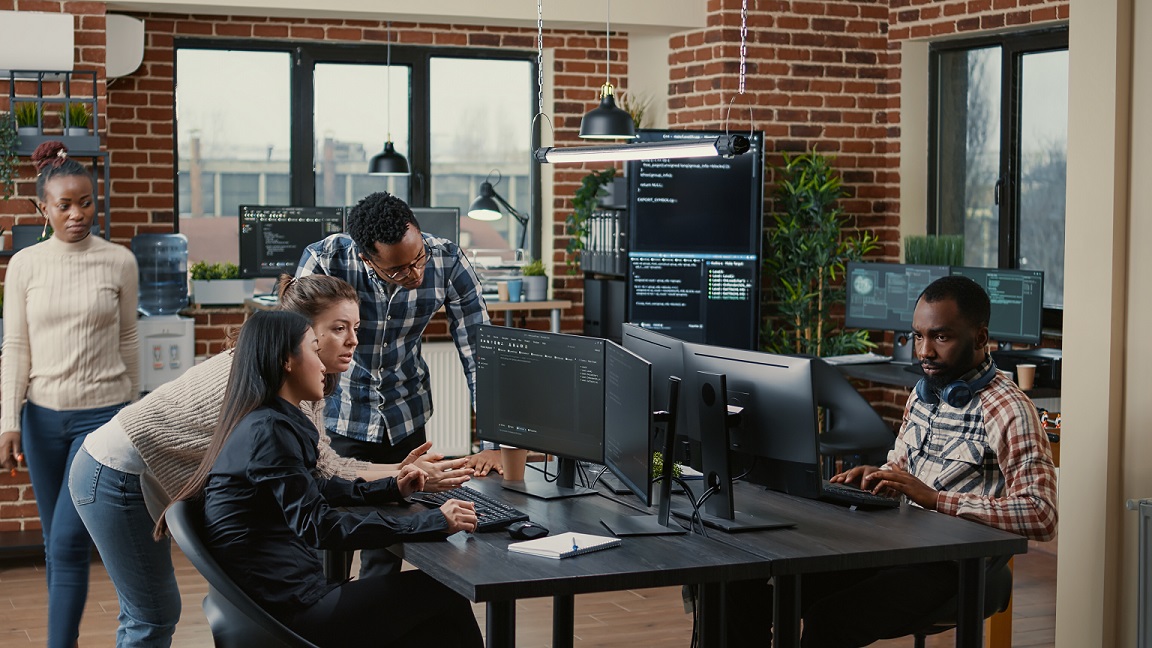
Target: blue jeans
(112, 506)
(50, 439)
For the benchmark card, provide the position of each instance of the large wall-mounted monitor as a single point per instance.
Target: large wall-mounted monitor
(882, 296)
(695, 228)
(272, 239)
(1017, 301)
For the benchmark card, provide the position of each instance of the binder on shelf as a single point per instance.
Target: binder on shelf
(564, 545)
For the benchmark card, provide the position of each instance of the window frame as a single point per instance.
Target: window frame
(306, 55)
(1013, 46)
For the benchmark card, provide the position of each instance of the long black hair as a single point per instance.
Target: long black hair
(262, 350)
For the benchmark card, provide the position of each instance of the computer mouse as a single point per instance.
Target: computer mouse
(526, 530)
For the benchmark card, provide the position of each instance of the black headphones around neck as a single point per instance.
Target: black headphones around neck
(957, 393)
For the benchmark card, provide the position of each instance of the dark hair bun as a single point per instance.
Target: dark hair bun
(49, 153)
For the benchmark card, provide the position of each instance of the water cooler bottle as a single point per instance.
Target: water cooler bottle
(167, 340)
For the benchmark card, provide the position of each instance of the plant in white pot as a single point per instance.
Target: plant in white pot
(75, 120)
(535, 280)
(219, 284)
(27, 119)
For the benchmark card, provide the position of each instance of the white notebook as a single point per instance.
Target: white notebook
(564, 544)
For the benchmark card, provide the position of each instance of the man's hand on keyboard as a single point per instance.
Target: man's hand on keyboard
(461, 515)
(444, 474)
(485, 461)
(853, 476)
(410, 480)
(894, 481)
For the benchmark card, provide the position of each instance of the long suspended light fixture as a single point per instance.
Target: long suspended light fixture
(724, 146)
(388, 161)
(607, 121)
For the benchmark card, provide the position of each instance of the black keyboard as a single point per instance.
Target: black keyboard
(852, 496)
(491, 513)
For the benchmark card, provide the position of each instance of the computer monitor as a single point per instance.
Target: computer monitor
(757, 404)
(882, 296)
(667, 357)
(441, 222)
(542, 391)
(1017, 298)
(272, 239)
(628, 432)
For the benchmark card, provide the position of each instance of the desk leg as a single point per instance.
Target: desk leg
(555, 320)
(508, 318)
(563, 620)
(786, 612)
(501, 624)
(970, 604)
(710, 608)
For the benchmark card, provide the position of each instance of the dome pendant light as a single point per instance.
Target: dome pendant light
(607, 121)
(388, 162)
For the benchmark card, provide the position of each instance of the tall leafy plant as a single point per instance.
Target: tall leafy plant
(584, 203)
(805, 258)
(9, 142)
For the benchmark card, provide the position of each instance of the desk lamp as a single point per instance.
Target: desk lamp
(487, 206)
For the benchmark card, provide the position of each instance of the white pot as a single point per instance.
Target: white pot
(28, 131)
(222, 291)
(535, 288)
(76, 131)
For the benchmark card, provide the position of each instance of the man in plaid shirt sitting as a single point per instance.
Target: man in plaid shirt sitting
(971, 445)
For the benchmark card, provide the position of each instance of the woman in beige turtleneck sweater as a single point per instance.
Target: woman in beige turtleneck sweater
(69, 364)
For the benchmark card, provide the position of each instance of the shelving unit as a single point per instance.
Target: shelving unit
(56, 88)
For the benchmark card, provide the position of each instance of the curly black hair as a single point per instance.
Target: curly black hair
(379, 218)
(971, 299)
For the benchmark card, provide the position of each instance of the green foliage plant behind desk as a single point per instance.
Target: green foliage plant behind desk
(805, 259)
(584, 202)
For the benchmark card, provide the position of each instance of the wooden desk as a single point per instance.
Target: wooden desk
(483, 570)
(555, 305)
(832, 538)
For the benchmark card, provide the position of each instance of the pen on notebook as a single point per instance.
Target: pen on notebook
(574, 546)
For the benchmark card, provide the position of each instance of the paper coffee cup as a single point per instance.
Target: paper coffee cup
(1025, 375)
(513, 461)
(502, 290)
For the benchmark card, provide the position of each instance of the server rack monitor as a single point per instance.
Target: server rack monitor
(882, 296)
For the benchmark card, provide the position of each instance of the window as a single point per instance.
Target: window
(999, 122)
(295, 124)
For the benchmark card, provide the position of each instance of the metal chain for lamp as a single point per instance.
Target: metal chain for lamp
(608, 49)
(743, 42)
(388, 81)
(540, 56)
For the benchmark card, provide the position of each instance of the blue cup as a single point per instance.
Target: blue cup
(515, 286)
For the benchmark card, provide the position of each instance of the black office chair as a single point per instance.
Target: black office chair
(236, 620)
(852, 427)
(997, 595)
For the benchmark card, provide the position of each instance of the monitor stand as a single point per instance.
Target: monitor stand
(903, 348)
(659, 524)
(719, 509)
(563, 486)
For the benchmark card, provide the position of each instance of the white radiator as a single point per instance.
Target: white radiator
(450, 427)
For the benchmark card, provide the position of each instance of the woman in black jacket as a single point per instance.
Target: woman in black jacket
(268, 513)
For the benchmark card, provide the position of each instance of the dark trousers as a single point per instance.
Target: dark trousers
(400, 610)
(378, 452)
(846, 609)
(376, 562)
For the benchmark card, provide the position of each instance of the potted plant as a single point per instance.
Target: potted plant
(9, 142)
(805, 258)
(535, 280)
(219, 283)
(27, 119)
(75, 120)
(584, 203)
(941, 249)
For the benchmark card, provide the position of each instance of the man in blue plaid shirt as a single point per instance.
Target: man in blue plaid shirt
(403, 277)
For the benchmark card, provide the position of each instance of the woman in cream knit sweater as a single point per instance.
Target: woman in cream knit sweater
(130, 467)
(69, 365)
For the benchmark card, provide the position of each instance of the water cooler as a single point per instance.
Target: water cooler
(167, 340)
